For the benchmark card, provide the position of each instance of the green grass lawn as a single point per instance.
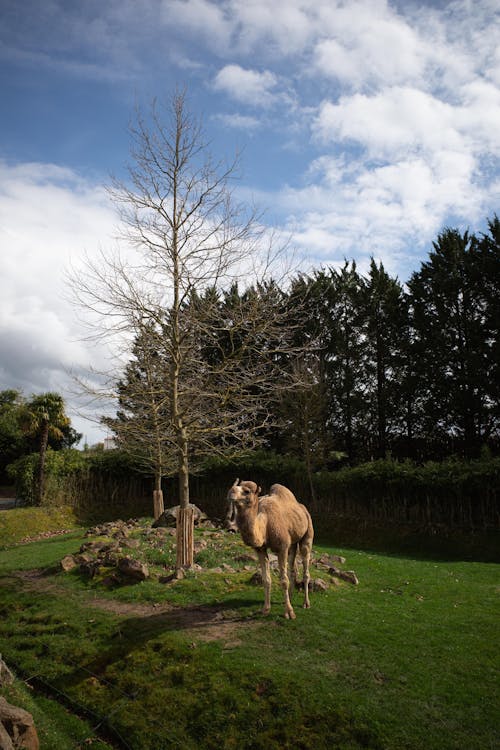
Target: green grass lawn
(407, 659)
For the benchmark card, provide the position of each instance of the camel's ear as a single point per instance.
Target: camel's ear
(236, 482)
(258, 491)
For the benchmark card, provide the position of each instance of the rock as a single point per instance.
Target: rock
(133, 569)
(85, 557)
(110, 559)
(256, 579)
(169, 516)
(315, 584)
(131, 543)
(116, 528)
(68, 563)
(17, 729)
(325, 561)
(338, 558)
(90, 568)
(345, 575)
(95, 548)
(245, 558)
(161, 532)
(177, 575)
(6, 676)
(167, 579)
(318, 584)
(208, 524)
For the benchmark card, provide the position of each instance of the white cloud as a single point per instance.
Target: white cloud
(250, 87)
(239, 122)
(201, 18)
(396, 120)
(369, 46)
(49, 217)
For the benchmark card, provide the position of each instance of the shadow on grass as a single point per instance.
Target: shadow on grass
(206, 623)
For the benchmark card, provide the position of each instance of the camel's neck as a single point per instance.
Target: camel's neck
(250, 527)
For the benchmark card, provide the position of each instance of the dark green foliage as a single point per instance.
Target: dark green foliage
(411, 373)
(447, 495)
(455, 337)
(58, 466)
(29, 426)
(11, 436)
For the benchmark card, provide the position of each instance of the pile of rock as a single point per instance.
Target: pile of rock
(93, 556)
(113, 554)
(326, 562)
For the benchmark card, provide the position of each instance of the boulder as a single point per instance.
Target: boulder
(17, 729)
(133, 569)
(169, 516)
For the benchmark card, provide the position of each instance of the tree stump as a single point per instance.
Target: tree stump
(185, 533)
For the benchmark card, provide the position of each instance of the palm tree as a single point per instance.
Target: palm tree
(45, 416)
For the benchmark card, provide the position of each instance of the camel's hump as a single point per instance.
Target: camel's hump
(282, 492)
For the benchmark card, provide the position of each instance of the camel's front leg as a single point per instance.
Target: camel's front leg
(265, 570)
(285, 583)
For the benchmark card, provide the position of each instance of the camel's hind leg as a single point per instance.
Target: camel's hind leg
(285, 583)
(305, 553)
(292, 567)
(265, 570)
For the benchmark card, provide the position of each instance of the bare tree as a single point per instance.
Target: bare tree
(223, 364)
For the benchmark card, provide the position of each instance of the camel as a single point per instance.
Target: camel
(277, 522)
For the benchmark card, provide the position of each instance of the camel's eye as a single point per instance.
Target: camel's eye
(246, 491)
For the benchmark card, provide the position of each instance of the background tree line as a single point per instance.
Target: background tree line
(381, 368)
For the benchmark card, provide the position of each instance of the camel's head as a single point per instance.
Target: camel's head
(244, 494)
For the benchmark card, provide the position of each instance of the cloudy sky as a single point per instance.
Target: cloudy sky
(366, 127)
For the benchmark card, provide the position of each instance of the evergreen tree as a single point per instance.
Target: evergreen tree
(386, 328)
(450, 321)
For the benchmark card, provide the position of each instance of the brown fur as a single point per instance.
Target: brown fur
(279, 523)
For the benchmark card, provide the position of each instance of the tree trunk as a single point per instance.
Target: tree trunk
(185, 517)
(185, 544)
(158, 506)
(44, 439)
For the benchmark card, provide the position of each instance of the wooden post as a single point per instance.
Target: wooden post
(158, 506)
(185, 533)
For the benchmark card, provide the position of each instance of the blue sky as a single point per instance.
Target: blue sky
(365, 128)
